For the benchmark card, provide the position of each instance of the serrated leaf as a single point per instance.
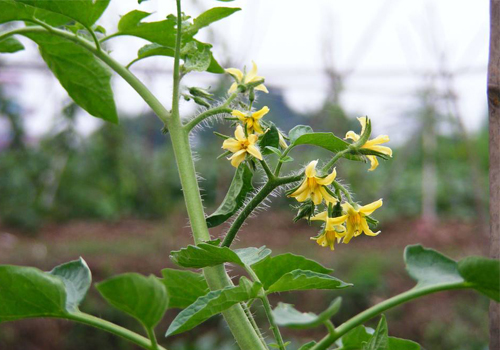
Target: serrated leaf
(240, 186)
(429, 267)
(287, 316)
(183, 287)
(196, 57)
(208, 17)
(16, 11)
(483, 274)
(298, 131)
(27, 292)
(87, 12)
(379, 339)
(271, 269)
(160, 32)
(304, 280)
(10, 45)
(213, 303)
(144, 298)
(203, 255)
(86, 79)
(252, 255)
(269, 138)
(77, 279)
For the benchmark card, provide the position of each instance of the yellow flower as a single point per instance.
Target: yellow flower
(240, 146)
(356, 219)
(251, 120)
(241, 78)
(333, 230)
(371, 144)
(313, 187)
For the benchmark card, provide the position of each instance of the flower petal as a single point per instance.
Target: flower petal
(323, 216)
(373, 161)
(332, 222)
(240, 115)
(370, 208)
(231, 145)
(262, 112)
(378, 140)
(349, 209)
(327, 180)
(239, 133)
(381, 149)
(366, 228)
(257, 127)
(233, 88)
(262, 88)
(252, 74)
(237, 158)
(303, 196)
(236, 73)
(352, 135)
(316, 196)
(328, 197)
(254, 151)
(299, 190)
(311, 169)
(362, 121)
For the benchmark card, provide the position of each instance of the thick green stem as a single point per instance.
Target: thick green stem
(114, 329)
(216, 277)
(332, 161)
(152, 337)
(273, 326)
(376, 310)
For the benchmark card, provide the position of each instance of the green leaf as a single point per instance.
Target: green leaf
(27, 292)
(161, 32)
(298, 131)
(235, 197)
(212, 304)
(307, 346)
(10, 45)
(196, 57)
(269, 139)
(429, 267)
(402, 344)
(483, 274)
(203, 255)
(183, 287)
(326, 140)
(380, 339)
(286, 159)
(15, 11)
(144, 298)
(356, 338)
(208, 17)
(77, 279)
(87, 12)
(274, 150)
(286, 315)
(304, 280)
(252, 255)
(271, 269)
(86, 79)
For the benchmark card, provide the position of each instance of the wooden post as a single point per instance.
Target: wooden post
(494, 131)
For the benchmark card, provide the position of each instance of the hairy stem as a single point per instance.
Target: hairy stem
(114, 329)
(376, 310)
(273, 326)
(224, 108)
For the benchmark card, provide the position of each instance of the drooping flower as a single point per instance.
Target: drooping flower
(314, 187)
(251, 120)
(249, 77)
(240, 146)
(356, 222)
(333, 230)
(373, 144)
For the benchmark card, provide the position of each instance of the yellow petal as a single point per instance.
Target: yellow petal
(237, 158)
(328, 197)
(252, 139)
(303, 196)
(366, 228)
(239, 133)
(258, 128)
(381, 149)
(378, 140)
(370, 208)
(262, 112)
(373, 161)
(235, 73)
(316, 196)
(311, 169)
(239, 114)
(262, 88)
(349, 234)
(327, 180)
(320, 217)
(299, 190)
(362, 121)
(233, 88)
(231, 145)
(252, 74)
(332, 222)
(254, 151)
(352, 135)
(349, 208)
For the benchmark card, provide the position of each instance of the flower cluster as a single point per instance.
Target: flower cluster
(343, 219)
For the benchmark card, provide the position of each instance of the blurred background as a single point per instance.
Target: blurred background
(72, 186)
